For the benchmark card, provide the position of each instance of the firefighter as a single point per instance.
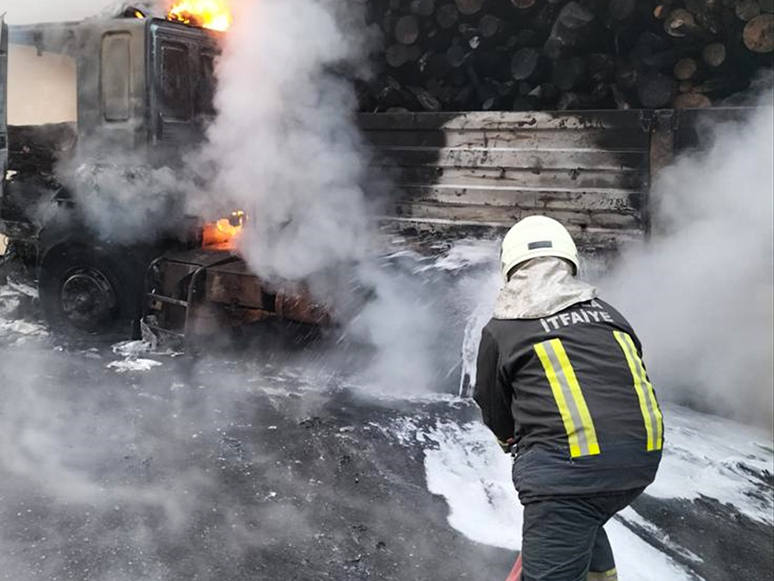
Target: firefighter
(562, 385)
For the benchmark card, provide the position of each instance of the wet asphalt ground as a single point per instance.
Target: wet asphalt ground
(227, 471)
(255, 468)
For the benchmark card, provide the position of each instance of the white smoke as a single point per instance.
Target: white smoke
(285, 145)
(701, 293)
(124, 201)
(285, 148)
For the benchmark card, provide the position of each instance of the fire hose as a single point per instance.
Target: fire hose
(515, 574)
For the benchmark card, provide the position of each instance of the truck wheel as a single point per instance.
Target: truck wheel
(87, 291)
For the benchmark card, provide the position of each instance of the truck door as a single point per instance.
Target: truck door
(3, 101)
(181, 84)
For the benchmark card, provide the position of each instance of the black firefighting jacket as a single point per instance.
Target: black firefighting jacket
(573, 392)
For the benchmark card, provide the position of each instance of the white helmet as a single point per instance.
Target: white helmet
(533, 237)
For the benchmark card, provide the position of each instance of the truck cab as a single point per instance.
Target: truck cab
(90, 93)
(138, 85)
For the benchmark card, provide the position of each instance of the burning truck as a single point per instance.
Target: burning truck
(137, 84)
(128, 84)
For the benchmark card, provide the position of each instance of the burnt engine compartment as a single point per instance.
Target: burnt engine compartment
(34, 152)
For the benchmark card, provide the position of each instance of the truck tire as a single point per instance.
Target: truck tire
(86, 291)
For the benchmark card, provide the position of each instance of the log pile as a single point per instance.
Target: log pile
(503, 55)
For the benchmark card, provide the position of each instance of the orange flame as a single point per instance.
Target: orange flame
(224, 233)
(212, 14)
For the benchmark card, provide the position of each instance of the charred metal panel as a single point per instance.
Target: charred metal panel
(181, 69)
(662, 143)
(111, 84)
(197, 292)
(685, 132)
(488, 170)
(691, 125)
(173, 290)
(234, 284)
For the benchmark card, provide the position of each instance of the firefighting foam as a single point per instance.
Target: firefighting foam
(211, 14)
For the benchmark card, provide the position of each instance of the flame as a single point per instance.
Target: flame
(212, 14)
(224, 233)
(134, 12)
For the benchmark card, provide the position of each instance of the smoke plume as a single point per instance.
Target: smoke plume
(286, 149)
(701, 292)
(284, 145)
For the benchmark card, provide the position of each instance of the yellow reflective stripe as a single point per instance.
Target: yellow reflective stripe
(638, 388)
(577, 395)
(651, 395)
(651, 414)
(655, 410)
(659, 415)
(581, 435)
(556, 389)
(610, 575)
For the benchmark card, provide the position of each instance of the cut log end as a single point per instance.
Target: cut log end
(691, 101)
(407, 30)
(685, 69)
(677, 21)
(447, 16)
(759, 34)
(427, 101)
(714, 54)
(746, 10)
(422, 7)
(524, 63)
(575, 16)
(469, 7)
(489, 26)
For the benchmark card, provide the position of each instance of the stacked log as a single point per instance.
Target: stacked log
(484, 55)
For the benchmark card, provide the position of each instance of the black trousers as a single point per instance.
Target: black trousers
(563, 538)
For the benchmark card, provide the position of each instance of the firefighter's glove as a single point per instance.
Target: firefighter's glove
(508, 445)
